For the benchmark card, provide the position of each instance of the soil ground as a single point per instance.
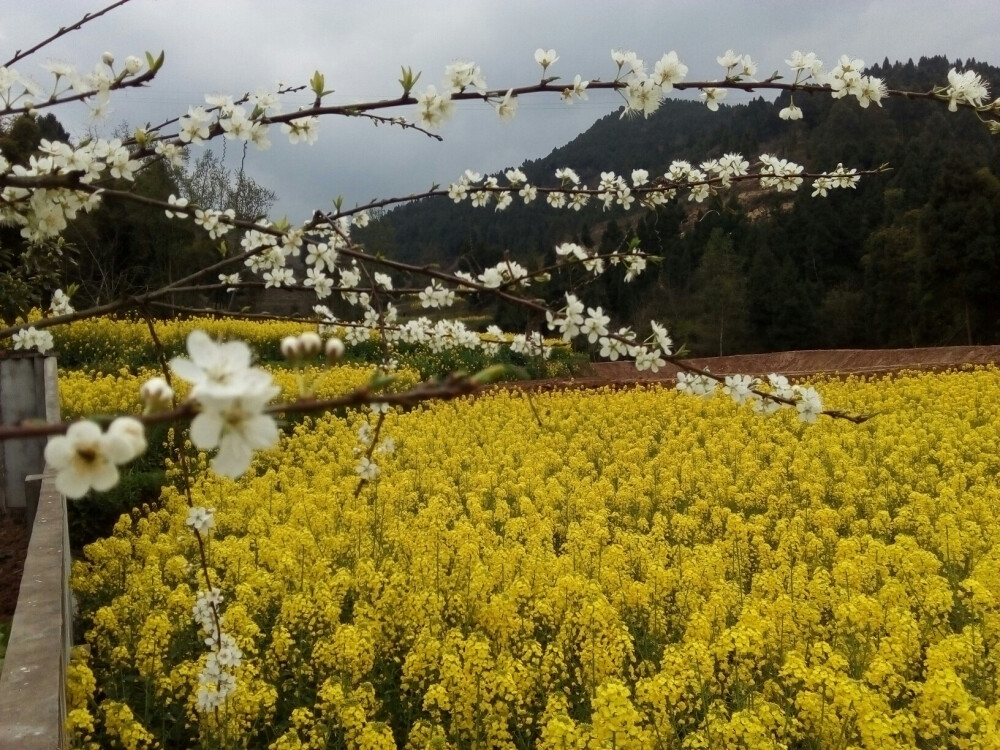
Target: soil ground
(798, 364)
(14, 536)
(13, 548)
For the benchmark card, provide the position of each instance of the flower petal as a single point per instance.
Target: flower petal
(233, 458)
(103, 476)
(72, 483)
(59, 452)
(187, 370)
(236, 353)
(260, 431)
(83, 432)
(201, 347)
(206, 429)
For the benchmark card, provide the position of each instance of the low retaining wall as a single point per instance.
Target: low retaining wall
(32, 684)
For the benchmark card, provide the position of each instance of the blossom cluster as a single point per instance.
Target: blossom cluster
(44, 212)
(234, 121)
(231, 395)
(561, 574)
(124, 342)
(217, 677)
(698, 183)
(767, 396)
(31, 338)
(643, 90)
(965, 86)
(440, 335)
(577, 320)
(88, 457)
(18, 90)
(846, 78)
(36, 199)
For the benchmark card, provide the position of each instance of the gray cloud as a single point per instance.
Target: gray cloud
(233, 46)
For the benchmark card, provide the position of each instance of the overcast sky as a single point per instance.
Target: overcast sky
(236, 46)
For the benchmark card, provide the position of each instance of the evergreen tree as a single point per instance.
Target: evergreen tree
(960, 258)
(720, 298)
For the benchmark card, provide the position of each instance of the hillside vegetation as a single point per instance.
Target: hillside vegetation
(911, 258)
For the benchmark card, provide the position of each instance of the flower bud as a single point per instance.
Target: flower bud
(125, 439)
(334, 349)
(310, 343)
(156, 394)
(291, 348)
(132, 65)
(108, 59)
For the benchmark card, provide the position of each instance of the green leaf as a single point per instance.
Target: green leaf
(154, 63)
(318, 85)
(408, 80)
(495, 373)
(381, 380)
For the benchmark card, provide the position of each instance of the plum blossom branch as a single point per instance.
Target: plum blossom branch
(450, 387)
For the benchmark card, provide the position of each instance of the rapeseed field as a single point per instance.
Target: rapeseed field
(609, 569)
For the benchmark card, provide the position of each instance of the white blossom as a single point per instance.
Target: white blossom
(648, 359)
(808, 403)
(236, 425)
(577, 91)
(32, 338)
(194, 126)
(967, 87)
(800, 62)
(668, 71)
(791, 112)
(507, 106)
(739, 387)
(201, 519)
(433, 108)
(367, 469)
(60, 304)
(85, 457)
(545, 58)
(218, 369)
(462, 75)
(712, 96)
(302, 130)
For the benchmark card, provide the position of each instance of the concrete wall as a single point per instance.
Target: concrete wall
(32, 684)
(22, 396)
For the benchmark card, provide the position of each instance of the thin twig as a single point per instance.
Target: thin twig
(453, 386)
(63, 30)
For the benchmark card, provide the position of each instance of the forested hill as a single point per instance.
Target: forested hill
(910, 258)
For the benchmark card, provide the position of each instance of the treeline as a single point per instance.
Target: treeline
(122, 248)
(910, 258)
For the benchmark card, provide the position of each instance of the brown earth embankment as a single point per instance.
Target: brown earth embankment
(795, 364)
